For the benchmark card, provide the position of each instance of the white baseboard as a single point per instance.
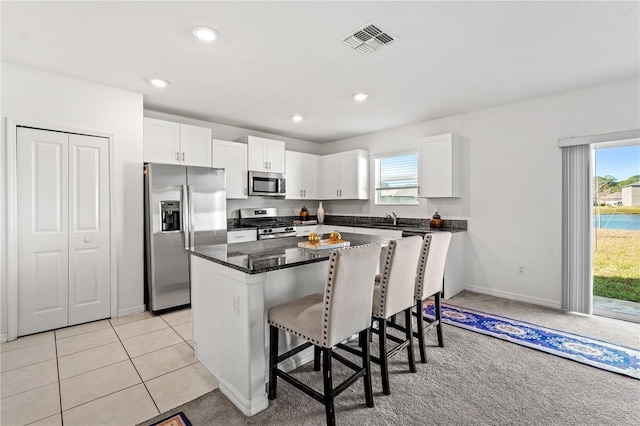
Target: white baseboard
(4, 337)
(294, 362)
(515, 296)
(131, 311)
(248, 408)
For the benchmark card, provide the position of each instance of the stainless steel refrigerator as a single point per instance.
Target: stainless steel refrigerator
(184, 207)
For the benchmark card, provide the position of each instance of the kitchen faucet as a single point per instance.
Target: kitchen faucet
(393, 216)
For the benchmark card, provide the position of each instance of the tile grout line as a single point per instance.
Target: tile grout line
(55, 341)
(136, 369)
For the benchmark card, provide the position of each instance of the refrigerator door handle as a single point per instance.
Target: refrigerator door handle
(185, 216)
(192, 239)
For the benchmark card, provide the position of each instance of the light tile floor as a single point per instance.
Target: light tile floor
(110, 372)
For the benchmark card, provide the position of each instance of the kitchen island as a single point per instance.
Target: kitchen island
(232, 288)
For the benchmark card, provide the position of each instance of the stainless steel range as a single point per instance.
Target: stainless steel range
(266, 220)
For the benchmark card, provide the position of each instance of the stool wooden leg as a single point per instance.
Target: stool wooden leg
(439, 319)
(366, 364)
(409, 336)
(273, 361)
(316, 358)
(420, 327)
(384, 362)
(328, 387)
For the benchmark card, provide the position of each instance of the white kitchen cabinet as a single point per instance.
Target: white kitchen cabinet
(440, 167)
(454, 272)
(241, 235)
(327, 229)
(345, 175)
(302, 175)
(174, 143)
(388, 233)
(232, 156)
(305, 230)
(266, 155)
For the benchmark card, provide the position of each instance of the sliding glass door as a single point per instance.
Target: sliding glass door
(616, 230)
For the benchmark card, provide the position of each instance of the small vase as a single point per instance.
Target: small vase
(320, 213)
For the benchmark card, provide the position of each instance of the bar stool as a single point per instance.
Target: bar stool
(394, 293)
(429, 282)
(324, 320)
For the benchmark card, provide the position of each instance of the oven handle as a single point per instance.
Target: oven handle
(280, 235)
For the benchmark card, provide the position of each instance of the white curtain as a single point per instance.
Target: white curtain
(577, 272)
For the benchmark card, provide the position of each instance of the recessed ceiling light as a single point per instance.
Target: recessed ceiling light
(205, 34)
(361, 96)
(297, 118)
(159, 82)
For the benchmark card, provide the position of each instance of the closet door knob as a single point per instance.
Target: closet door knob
(87, 240)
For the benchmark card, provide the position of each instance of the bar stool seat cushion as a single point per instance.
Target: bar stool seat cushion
(301, 317)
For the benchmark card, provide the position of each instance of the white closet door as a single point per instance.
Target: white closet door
(89, 270)
(43, 249)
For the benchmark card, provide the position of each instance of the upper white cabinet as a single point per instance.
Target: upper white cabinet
(174, 143)
(440, 166)
(302, 175)
(266, 155)
(232, 156)
(345, 175)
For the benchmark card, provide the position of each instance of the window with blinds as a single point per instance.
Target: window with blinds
(397, 179)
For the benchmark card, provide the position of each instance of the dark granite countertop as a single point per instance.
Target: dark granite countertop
(257, 257)
(404, 228)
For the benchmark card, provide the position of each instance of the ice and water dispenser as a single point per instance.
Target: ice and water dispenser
(170, 214)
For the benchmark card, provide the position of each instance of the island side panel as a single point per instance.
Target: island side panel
(228, 326)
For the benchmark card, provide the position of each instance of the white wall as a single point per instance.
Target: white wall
(34, 96)
(511, 186)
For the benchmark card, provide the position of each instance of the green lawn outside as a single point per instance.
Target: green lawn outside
(616, 265)
(616, 210)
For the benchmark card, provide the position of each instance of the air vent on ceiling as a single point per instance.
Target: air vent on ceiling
(368, 38)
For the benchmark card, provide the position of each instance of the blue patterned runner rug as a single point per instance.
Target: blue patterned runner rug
(596, 353)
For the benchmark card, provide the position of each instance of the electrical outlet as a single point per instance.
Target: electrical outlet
(236, 305)
(521, 270)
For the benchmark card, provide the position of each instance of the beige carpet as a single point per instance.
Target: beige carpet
(474, 380)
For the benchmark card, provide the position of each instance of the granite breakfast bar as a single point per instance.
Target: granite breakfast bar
(233, 287)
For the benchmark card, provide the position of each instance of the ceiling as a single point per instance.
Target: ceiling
(276, 59)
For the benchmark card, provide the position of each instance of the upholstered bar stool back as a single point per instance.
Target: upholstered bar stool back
(394, 293)
(430, 281)
(349, 287)
(324, 320)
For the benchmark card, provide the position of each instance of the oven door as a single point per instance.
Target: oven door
(267, 184)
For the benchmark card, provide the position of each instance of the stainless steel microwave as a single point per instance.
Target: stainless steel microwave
(267, 184)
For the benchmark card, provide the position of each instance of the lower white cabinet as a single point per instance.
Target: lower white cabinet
(389, 233)
(242, 236)
(454, 271)
(304, 230)
(326, 229)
